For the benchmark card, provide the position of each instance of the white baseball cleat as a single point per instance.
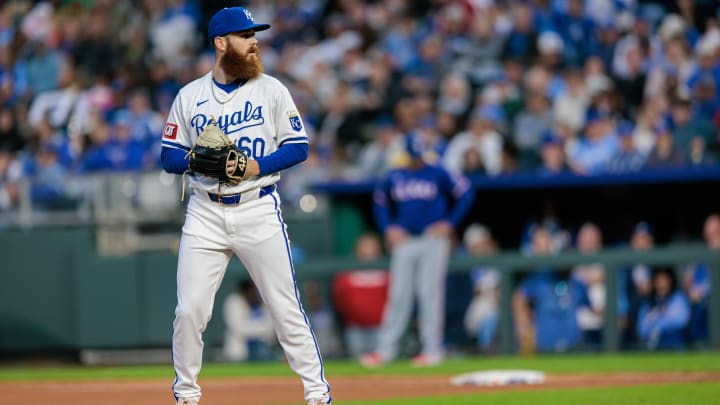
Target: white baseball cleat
(319, 401)
(188, 401)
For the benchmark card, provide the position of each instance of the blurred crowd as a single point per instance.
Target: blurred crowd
(545, 86)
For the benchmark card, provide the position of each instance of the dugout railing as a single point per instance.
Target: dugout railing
(512, 264)
(71, 297)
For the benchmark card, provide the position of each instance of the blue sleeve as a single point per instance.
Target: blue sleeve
(528, 287)
(287, 155)
(462, 191)
(645, 323)
(381, 204)
(173, 160)
(42, 193)
(583, 297)
(701, 280)
(676, 315)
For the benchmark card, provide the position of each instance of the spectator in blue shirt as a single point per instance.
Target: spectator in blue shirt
(634, 285)
(553, 156)
(114, 149)
(707, 67)
(577, 31)
(551, 325)
(605, 43)
(591, 154)
(662, 321)
(628, 158)
(144, 123)
(686, 127)
(665, 154)
(43, 66)
(425, 70)
(705, 96)
(521, 43)
(47, 188)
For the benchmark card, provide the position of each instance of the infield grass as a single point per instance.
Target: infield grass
(560, 363)
(665, 394)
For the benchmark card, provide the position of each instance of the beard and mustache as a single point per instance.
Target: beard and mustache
(243, 66)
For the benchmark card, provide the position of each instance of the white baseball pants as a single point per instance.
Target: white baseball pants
(255, 232)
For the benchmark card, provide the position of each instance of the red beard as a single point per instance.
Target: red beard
(242, 66)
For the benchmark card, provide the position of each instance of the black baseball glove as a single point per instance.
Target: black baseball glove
(211, 153)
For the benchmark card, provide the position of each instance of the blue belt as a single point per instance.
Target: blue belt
(230, 199)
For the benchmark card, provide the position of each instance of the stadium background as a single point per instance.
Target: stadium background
(89, 224)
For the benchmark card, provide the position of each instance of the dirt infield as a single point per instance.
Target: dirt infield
(286, 390)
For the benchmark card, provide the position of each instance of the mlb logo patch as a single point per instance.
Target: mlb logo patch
(295, 122)
(170, 131)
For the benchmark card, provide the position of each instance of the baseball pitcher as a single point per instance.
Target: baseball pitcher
(232, 131)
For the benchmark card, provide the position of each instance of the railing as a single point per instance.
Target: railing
(130, 212)
(98, 199)
(510, 264)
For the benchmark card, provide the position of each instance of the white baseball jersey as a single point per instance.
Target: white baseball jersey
(259, 116)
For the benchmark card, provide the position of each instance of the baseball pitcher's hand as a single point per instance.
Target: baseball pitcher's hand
(394, 235)
(252, 169)
(214, 155)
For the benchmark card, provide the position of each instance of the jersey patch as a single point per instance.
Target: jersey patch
(170, 131)
(295, 122)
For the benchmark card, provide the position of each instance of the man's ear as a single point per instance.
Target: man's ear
(220, 43)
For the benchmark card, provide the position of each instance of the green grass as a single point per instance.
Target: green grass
(667, 394)
(566, 363)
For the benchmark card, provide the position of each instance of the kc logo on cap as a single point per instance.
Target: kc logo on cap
(233, 19)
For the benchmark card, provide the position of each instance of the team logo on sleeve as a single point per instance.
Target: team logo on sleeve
(170, 131)
(295, 121)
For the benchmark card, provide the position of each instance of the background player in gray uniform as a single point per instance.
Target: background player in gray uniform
(258, 114)
(417, 208)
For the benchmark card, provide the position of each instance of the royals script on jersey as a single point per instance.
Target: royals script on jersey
(259, 116)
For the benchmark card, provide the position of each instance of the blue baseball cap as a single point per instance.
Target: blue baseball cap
(643, 227)
(233, 19)
(491, 113)
(551, 138)
(594, 115)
